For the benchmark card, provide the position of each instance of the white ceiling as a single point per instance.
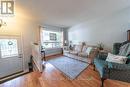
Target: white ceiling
(71, 12)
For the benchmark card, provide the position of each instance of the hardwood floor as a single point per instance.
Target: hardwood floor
(88, 78)
(51, 77)
(28, 80)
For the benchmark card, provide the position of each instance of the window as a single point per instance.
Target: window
(53, 36)
(52, 39)
(8, 48)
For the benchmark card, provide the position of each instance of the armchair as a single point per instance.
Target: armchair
(111, 70)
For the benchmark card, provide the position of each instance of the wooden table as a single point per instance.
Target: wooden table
(43, 53)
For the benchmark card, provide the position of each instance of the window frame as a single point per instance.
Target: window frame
(53, 41)
(9, 55)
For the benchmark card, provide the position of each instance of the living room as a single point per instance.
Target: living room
(84, 43)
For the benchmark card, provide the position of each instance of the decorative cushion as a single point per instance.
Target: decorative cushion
(116, 58)
(78, 48)
(84, 48)
(125, 49)
(88, 50)
(82, 54)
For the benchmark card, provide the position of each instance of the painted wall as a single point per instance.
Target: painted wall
(107, 30)
(24, 25)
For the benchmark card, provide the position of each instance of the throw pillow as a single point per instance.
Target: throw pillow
(78, 48)
(124, 50)
(84, 48)
(88, 50)
(116, 58)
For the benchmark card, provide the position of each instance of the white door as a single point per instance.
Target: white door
(11, 57)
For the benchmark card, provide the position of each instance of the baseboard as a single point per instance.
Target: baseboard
(12, 76)
(53, 55)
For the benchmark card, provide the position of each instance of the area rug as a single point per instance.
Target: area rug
(70, 67)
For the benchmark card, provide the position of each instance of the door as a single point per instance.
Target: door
(11, 57)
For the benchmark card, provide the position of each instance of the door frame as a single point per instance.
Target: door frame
(22, 46)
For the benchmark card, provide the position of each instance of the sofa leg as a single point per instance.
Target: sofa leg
(102, 82)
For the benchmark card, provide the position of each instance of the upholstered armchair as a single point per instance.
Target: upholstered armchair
(111, 70)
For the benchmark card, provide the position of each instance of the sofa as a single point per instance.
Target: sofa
(83, 52)
(111, 70)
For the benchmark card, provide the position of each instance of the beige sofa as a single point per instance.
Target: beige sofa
(85, 53)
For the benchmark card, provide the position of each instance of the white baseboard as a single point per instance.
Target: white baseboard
(13, 76)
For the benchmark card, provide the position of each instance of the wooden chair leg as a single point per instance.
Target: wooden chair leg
(102, 82)
(94, 68)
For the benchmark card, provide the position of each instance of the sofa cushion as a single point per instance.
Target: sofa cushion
(83, 54)
(74, 52)
(116, 58)
(78, 58)
(85, 51)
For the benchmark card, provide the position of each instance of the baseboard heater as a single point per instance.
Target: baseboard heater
(53, 51)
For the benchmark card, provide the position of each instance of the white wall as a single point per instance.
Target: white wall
(107, 30)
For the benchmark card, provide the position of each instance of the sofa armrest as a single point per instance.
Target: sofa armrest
(117, 66)
(128, 60)
(102, 67)
(116, 48)
(102, 56)
(93, 53)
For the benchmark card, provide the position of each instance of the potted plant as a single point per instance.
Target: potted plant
(100, 46)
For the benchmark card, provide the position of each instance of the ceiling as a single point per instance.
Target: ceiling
(71, 12)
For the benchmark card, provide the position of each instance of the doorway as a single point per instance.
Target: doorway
(11, 55)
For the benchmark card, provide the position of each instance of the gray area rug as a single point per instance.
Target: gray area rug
(70, 67)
